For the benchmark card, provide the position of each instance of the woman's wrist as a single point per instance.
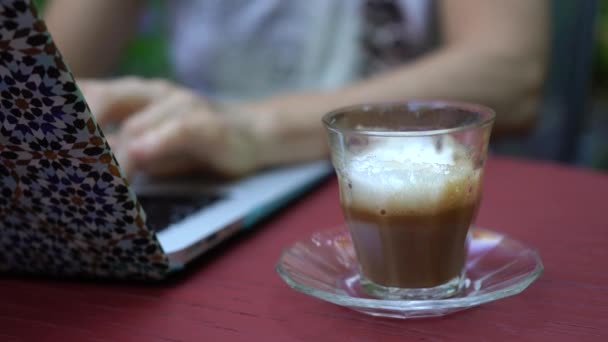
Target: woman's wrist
(252, 133)
(282, 129)
(289, 128)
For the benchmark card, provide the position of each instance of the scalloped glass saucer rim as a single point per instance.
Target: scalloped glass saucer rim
(458, 303)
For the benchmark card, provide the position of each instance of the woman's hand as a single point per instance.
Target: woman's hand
(163, 129)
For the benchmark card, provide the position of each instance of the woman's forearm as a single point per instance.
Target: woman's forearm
(292, 127)
(493, 53)
(510, 84)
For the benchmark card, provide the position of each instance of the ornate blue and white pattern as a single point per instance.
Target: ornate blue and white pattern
(65, 207)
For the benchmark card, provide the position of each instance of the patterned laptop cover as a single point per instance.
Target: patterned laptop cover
(65, 207)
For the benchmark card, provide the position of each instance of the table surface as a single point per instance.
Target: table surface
(233, 294)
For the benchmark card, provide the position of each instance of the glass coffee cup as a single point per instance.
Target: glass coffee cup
(410, 179)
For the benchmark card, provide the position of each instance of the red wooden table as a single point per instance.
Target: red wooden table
(234, 294)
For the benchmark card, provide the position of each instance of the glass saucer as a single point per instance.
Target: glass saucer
(325, 266)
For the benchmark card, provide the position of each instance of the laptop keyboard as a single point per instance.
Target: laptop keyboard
(164, 210)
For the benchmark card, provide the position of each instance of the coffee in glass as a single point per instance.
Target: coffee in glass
(410, 185)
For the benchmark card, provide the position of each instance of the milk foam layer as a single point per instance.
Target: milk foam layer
(409, 175)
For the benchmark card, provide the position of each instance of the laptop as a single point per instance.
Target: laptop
(66, 208)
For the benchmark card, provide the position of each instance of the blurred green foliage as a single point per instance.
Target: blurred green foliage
(601, 50)
(147, 54)
(39, 4)
(600, 77)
